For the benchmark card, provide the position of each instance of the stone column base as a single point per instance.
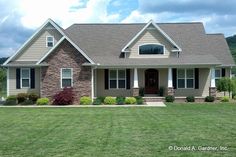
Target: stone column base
(170, 91)
(135, 91)
(212, 91)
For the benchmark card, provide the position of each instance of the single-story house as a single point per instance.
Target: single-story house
(119, 60)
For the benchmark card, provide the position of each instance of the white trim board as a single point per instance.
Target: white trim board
(144, 28)
(49, 21)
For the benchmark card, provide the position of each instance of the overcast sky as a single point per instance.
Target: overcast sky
(20, 18)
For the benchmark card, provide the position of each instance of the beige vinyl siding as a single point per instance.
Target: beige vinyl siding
(37, 47)
(150, 36)
(204, 84)
(12, 83)
(100, 90)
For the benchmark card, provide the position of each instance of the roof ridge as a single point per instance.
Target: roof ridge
(135, 23)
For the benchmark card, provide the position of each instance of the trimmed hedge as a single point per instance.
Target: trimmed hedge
(21, 97)
(42, 101)
(209, 99)
(110, 100)
(190, 99)
(85, 100)
(224, 99)
(120, 100)
(130, 100)
(170, 98)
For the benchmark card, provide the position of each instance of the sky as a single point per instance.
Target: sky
(19, 19)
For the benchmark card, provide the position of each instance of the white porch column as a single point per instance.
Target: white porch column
(213, 82)
(92, 82)
(135, 78)
(170, 78)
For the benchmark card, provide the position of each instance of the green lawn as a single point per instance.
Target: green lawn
(113, 132)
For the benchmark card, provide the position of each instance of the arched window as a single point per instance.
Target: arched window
(151, 49)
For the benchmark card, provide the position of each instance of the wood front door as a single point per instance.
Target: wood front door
(151, 81)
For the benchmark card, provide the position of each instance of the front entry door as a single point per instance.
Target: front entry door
(151, 81)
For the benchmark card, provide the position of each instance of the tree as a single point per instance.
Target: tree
(226, 84)
(3, 78)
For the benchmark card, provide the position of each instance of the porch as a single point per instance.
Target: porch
(155, 82)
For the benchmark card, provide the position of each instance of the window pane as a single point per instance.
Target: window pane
(49, 39)
(66, 73)
(50, 44)
(189, 83)
(151, 49)
(112, 83)
(25, 83)
(25, 73)
(181, 83)
(181, 73)
(121, 83)
(66, 82)
(121, 74)
(217, 73)
(189, 73)
(112, 74)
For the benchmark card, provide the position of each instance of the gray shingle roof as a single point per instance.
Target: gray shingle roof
(103, 43)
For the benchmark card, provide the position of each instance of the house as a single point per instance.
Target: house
(119, 60)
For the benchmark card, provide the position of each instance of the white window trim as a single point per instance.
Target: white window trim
(164, 49)
(67, 77)
(21, 78)
(50, 41)
(117, 79)
(217, 78)
(185, 78)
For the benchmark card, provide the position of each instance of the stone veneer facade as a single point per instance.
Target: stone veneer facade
(65, 56)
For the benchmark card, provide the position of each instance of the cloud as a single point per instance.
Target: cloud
(65, 12)
(216, 18)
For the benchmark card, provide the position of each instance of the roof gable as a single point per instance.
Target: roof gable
(45, 25)
(72, 43)
(154, 26)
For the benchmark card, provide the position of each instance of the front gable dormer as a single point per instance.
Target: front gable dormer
(39, 43)
(151, 42)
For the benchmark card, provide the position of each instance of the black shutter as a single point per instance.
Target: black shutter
(196, 74)
(32, 78)
(17, 78)
(127, 78)
(106, 78)
(174, 75)
(223, 72)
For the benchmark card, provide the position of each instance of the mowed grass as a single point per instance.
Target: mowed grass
(114, 132)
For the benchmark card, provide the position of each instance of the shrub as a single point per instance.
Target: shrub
(102, 98)
(224, 99)
(141, 91)
(130, 100)
(10, 102)
(209, 99)
(170, 98)
(42, 101)
(21, 97)
(190, 99)
(11, 97)
(34, 97)
(97, 101)
(234, 97)
(110, 100)
(85, 100)
(120, 100)
(139, 100)
(65, 97)
(27, 102)
(162, 90)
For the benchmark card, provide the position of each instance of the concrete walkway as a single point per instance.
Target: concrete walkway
(149, 104)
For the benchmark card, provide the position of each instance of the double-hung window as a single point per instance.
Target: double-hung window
(49, 41)
(185, 78)
(117, 79)
(218, 74)
(25, 78)
(66, 77)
